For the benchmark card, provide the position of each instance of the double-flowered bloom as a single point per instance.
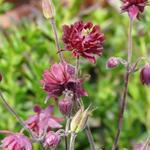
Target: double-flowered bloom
(83, 39)
(59, 78)
(16, 141)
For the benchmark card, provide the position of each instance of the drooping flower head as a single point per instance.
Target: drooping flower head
(61, 77)
(134, 7)
(16, 141)
(52, 140)
(43, 121)
(83, 39)
(145, 75)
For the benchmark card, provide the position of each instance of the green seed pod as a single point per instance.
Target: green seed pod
(76, 120)
(83, 120)
(48, 9)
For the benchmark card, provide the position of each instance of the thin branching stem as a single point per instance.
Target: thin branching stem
(123, 100)
(90, 137)
(11, 110)
(53, 24)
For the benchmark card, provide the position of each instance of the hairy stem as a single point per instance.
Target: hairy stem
(90, 137)
(72, 141)
(53, 24)
(123, 100)
(10, 109)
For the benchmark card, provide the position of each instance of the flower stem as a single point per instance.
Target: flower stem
(90, 137)
(72, 141)
(66, 132)
(53, 24)
(10, 109)
(123, 100)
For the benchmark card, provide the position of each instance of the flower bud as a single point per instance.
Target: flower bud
(76, 120)
(48, 9)
(65, 106)
(112, 62)
(1, 77)
(52, 139)
(145, 75)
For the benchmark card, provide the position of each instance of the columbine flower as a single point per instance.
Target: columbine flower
(83, 39)
(16, 141)
(52, 139)
(145, 75)
(61, 77)
(140, 147)
(43, 121)
(134, 7)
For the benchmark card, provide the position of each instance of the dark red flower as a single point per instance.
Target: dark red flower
(83, 39)
(43, 121)
(16, 141)
(61, 77)
(145, 75)
(134, 7)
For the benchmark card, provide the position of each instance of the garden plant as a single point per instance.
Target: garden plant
(63, 83)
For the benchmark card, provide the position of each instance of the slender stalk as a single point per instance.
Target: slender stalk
(90, 137)
(66, 132)
(53, 24)
(123, 100)
(72, 141)
(10, 109)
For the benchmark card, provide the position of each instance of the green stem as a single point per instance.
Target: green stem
(72, 141)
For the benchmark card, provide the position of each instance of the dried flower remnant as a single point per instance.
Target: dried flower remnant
(16, 141)
(134, 7)
(61, 77)
(52, 140)
(145, 75)
(83, 39)
(43, 121)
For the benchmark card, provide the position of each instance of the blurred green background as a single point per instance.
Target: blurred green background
(27, 48)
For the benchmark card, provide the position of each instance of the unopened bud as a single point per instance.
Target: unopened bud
(48, 9)
(65, 106)
(145, 75)
(1, 77)
(76, 120)
(112, 62)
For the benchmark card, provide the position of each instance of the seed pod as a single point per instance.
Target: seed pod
(83, 120)
(76, 120)
(48, 9)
